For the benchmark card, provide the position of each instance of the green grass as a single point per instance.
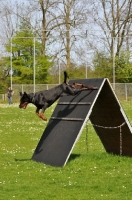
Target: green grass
(88, 175)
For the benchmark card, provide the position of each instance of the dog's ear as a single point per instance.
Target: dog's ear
(25, 94)
(20, 93)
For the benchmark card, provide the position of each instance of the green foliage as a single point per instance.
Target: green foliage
(78, 72)
(88, 175)
(42, 66)
(123, 68)
(4, 81)
(23, 57)
(102, 66)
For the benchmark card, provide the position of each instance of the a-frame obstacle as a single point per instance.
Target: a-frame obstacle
(70, 116)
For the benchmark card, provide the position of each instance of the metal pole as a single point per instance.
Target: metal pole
(59, 63)
(86, 70)
(113, 63)
(126, 91)
(11, 63)
(34, 67)
(22, 88)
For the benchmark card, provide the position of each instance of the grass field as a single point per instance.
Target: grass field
(90, 173)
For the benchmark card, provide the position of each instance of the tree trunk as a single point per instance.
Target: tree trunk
(43, 27)
(68, 58)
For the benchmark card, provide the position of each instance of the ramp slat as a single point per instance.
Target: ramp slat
(67, 119)
(74, 103)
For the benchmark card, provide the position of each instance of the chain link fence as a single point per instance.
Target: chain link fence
(122, 90)
(28, 88)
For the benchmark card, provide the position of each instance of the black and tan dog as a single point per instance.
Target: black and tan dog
(44, 99)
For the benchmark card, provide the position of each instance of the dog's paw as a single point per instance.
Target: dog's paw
(95, 88)
(92, 88)
(42, 117)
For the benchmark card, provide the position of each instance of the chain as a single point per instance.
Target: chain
(120, 141)
(105, 127)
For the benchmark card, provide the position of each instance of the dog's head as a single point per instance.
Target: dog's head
(24, 100)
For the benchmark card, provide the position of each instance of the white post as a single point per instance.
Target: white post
(126, 91)
(34, 67)
(22, 88)
(11, 63)
(59, 63)
(86, 70)
(113, 63)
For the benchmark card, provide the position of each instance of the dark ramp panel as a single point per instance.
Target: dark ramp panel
(107, 112)
(70, 116)
(60, 136)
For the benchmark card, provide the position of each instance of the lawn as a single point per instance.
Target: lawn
(90, 173)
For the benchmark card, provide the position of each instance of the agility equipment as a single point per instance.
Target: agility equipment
(70, 116)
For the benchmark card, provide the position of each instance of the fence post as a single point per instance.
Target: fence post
(126, 92)
(3, 97)
(22, 88)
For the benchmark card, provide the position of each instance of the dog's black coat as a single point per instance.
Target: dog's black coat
(44, 99)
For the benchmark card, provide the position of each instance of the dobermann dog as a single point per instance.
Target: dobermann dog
(44, 99)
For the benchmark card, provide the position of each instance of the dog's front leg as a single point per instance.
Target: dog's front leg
(84, 87)
(37, 111)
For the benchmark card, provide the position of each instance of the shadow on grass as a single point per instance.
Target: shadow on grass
(22, 160)
(73, 157)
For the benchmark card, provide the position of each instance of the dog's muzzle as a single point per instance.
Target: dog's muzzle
(24, 105)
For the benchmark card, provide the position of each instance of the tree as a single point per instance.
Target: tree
(102, 66)
(4, 75)
(59, 24)
(73, 31)
(59, 19)
(123, 68)
(24, 49)
(73, 17)
(113, 18)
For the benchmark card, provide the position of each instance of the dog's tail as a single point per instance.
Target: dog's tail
(65, 76)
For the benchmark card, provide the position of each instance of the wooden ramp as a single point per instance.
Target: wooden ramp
(70, 116)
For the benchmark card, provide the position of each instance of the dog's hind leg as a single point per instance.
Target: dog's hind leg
(41, 115)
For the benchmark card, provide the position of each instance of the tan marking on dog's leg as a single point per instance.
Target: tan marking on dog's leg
(41, 115)
(37, 111)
